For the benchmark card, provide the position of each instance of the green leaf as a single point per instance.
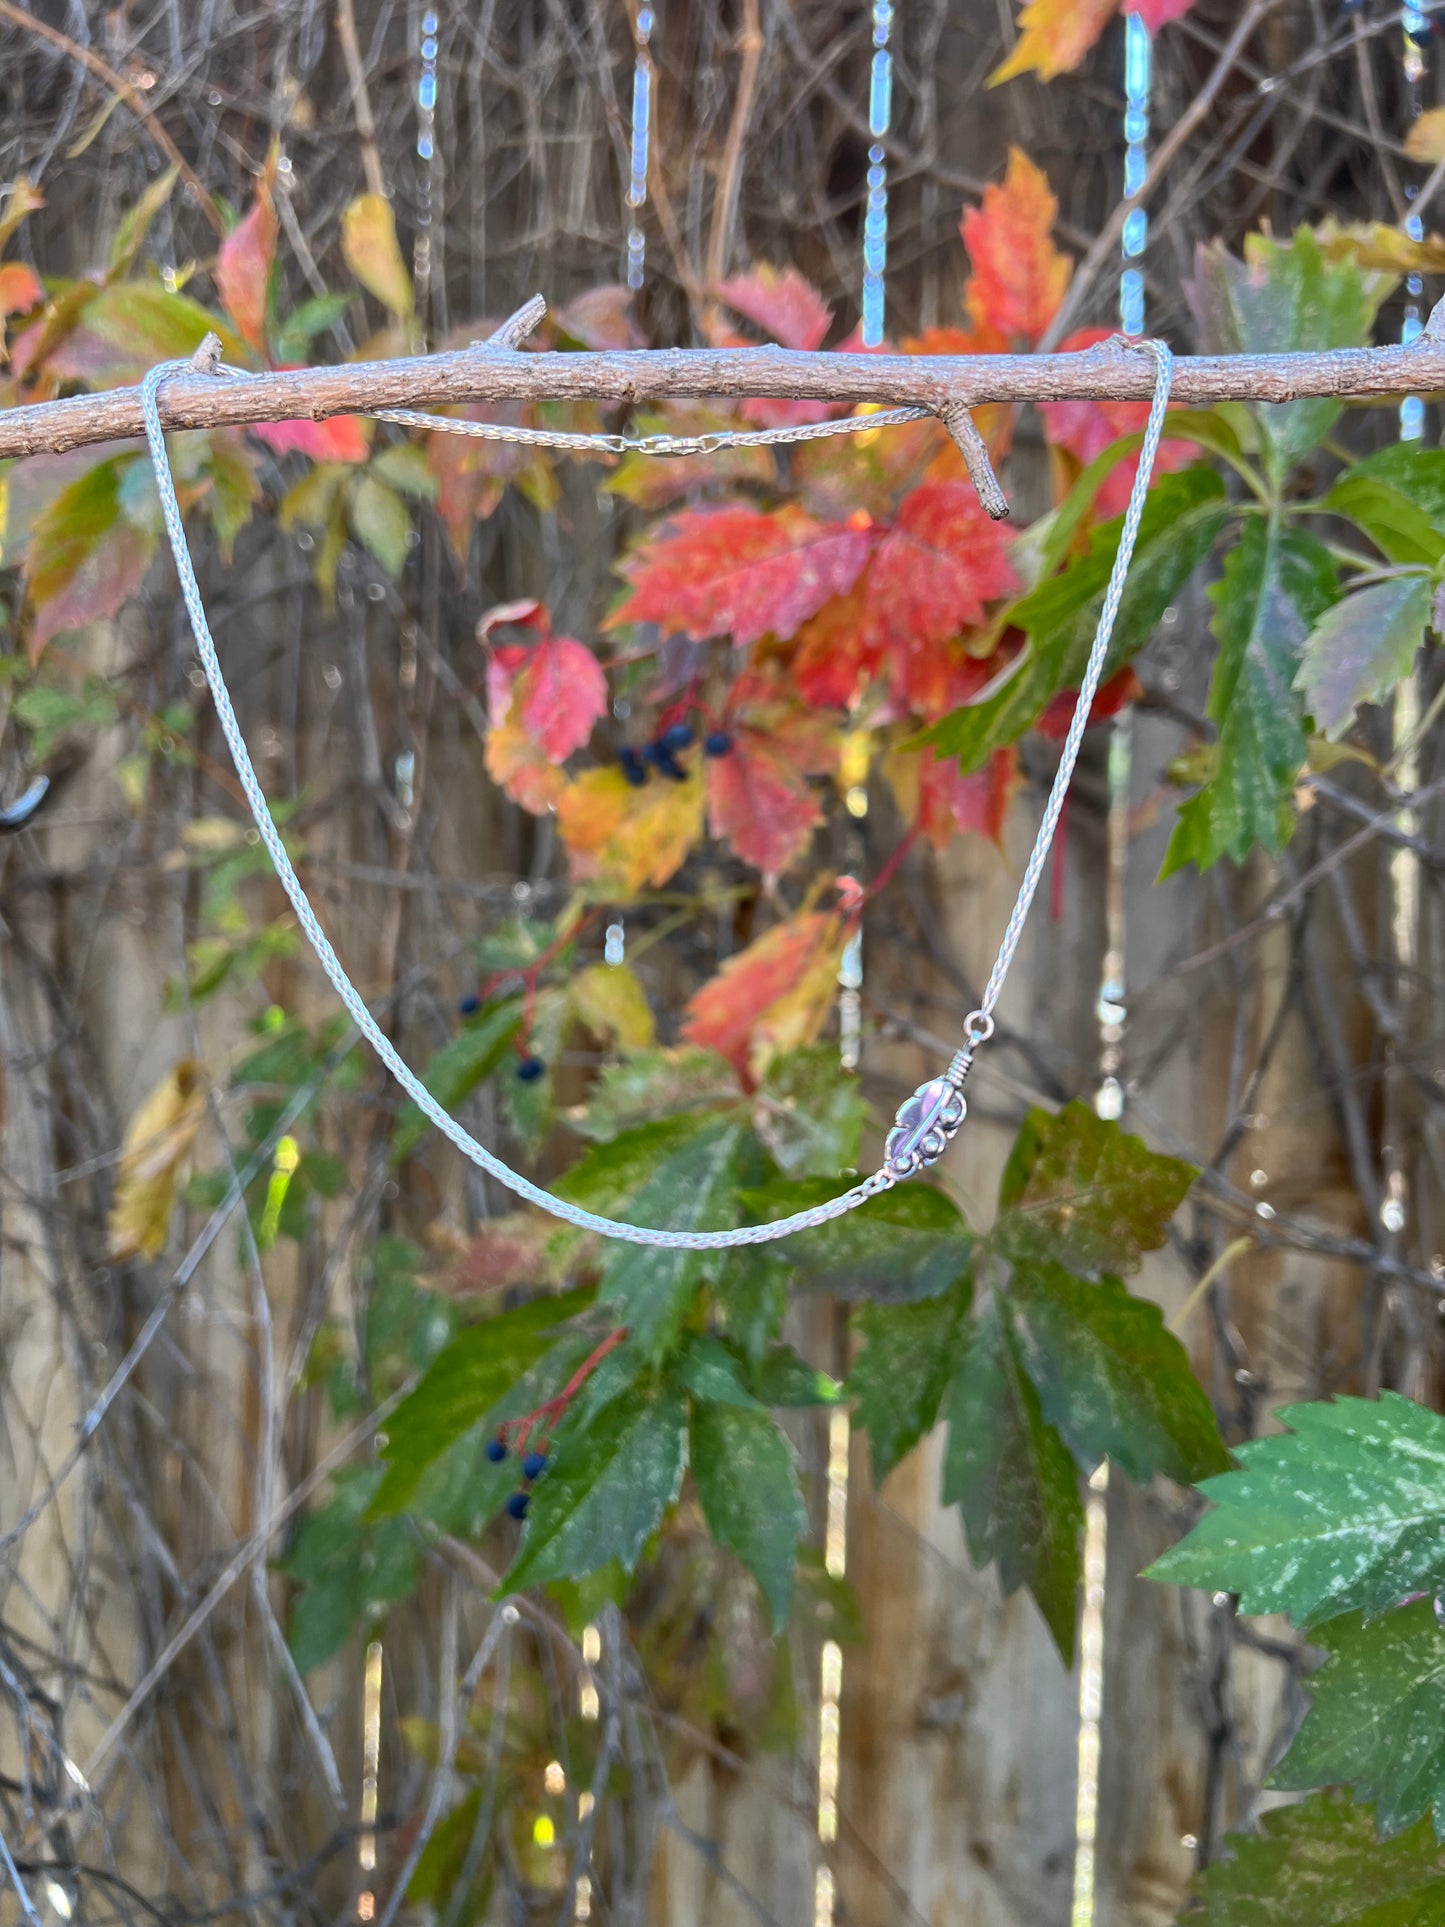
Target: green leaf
(462, 1490)
(459, 1066)
(47, 712)
(1401, 532)
(748, 1487)
(1183, 515)
(350, 1569)
(1285, 295)
(710, 1372)
(1320, 1864)
(811, 1113)
(1377, 1716)
(608, 1177)
(381, 522)
(607, 1489)
(899, 1378)
(1345, 1512)
(1086, 1194)
(135, 223)
(652, 1086)
(1405, 471)
(303, 324)
(462, 1385)
(1110, 1377)
(85, 557)
(1276, 585)
(1013, 1480)
(693, 1189)
(752, 1298)
(906, 1243)
(1362, 647)
(782, 1378)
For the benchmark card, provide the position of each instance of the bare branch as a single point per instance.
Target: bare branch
(1107, 372)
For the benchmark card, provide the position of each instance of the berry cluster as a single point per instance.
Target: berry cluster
(662, 753)
(534, 1464)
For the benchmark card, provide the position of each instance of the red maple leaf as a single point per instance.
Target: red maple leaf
(1158, 13)
(554, 690)
(934, 571)
(1117, 693)
(781, 304)
(758, 797)
(773, 996)
(1086, 428)
(740, 572)
(838, 651)
(934, 793)
(1019, 276)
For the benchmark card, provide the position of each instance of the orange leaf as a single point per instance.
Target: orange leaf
(1054, 36)
(623, 839)
(519, 765)
(20, 288)
(341, 438)
(243, 265)
(1019, 276)
(774, 996)
(740, 572)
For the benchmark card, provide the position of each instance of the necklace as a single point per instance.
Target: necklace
(926, 1123)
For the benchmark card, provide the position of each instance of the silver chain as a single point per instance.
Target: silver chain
(978, 1026)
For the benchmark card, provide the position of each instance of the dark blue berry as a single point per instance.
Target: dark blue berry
(469, 1006)
(517, 1505)
(530, 1069)
(677, 737)
(496, 1450)
(632, 766)
(718, 743)
(667, 766)
(534, 1465)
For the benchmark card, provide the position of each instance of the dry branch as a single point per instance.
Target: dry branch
(1111, 371)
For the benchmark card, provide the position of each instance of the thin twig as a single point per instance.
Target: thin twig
(360, 99)
(123, 91)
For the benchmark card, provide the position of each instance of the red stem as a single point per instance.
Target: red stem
(548, 1414)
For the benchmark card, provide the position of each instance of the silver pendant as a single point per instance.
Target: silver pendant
(925, 1122)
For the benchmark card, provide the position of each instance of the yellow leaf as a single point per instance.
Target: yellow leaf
(1426, 139)
(158, 1141)
(1054, 36)
(623, 838)
(368, 240)
(609, 1000)
(215, 834)
(1384, 249)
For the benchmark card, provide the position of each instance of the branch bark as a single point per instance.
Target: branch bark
(484, 373)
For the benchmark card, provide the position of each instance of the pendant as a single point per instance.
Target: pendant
(923, 1126)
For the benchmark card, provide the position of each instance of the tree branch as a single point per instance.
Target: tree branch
(491, 373)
